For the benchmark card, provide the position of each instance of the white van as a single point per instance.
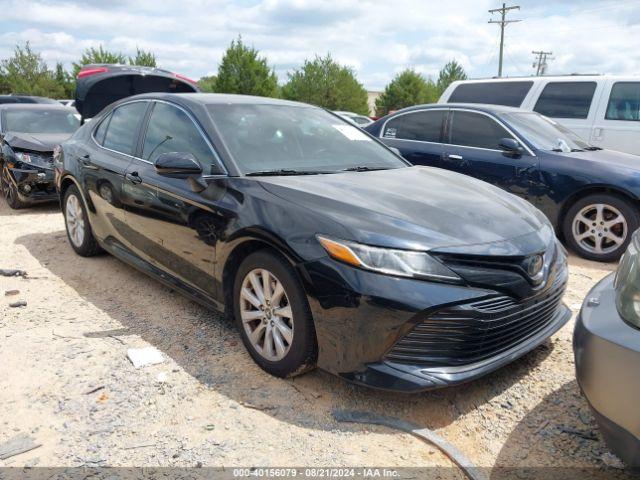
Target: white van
(603, 109)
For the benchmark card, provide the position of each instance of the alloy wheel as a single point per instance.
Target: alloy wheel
(266, 314)
(599, 228)
(6, 187)
(75, 220)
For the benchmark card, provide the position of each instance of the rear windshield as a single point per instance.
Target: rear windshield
(39, 121)
(510, 94)
(273, 137)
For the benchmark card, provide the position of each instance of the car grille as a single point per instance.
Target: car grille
(472, 332)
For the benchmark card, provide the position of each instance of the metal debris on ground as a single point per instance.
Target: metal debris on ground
(21, 443)
(429, 436)
(19, 303)
(141, 357)
(587, 435)
(11, 272)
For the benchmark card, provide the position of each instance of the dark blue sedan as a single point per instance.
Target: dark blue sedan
(590, 195)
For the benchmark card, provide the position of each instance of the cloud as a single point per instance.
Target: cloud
(377, 38)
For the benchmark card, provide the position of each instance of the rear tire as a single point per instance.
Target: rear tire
(273, 315)
(77, 224)
(599, 226)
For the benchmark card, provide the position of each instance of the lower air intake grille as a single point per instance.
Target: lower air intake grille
(472, 332)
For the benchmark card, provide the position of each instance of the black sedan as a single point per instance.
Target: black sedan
(606, 344)
(326, 247)
(28, 135)
(590, 195)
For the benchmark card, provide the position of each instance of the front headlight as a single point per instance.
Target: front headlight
(627, 283)
(31, 159)
(404, 263)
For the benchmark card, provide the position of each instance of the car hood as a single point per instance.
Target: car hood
(419, 208)
(38, 142)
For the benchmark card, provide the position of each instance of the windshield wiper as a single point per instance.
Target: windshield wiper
(577, 150)
(284, 171)
(363, 168)
(591, 148)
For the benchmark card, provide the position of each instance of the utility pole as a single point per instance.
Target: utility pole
(503, 22)
(541, 63)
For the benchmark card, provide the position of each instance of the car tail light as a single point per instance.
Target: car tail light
(186, 79)
(91, 71)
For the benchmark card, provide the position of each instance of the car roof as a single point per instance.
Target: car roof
(553, 78)
(36, 106)
(21, 98)
(215, 99)
(482, 107)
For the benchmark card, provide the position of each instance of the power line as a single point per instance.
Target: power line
(540, 64)
(503, 22)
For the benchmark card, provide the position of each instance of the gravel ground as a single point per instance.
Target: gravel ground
(208, 404)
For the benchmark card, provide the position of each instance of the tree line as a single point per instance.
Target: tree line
(320, 81)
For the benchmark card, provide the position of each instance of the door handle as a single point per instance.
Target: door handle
(598, 133)
(455, 157)
(134, 178)
(85, 160)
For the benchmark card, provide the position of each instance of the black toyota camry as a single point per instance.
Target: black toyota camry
(326, 247)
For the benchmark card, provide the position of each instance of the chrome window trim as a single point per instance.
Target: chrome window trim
(384, 125)
(499, 122)
(198, 128)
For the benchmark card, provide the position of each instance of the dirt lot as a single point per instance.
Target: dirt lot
(208, 403)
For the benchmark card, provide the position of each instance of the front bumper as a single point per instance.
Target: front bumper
(607, 353)
(34, 185)
(361, 316)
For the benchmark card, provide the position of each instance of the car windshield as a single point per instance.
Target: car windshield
(39, 121)
(544, 133)
(297, 139)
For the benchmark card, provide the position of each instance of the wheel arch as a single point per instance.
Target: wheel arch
(244, 246)
(65, 183)
(591, 190)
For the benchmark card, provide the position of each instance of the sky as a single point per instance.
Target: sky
(376, 38)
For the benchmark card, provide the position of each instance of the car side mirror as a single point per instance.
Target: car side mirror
(177, 163)
(511, 146)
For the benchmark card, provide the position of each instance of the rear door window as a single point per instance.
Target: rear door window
(469, 129)
(510, 94)
(423, 126)
(171, 130)
(624, 102)
(566, 99)
(122, 131)
(101, 130)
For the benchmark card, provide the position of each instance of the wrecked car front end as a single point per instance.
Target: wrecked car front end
(28, 137)
(27, 176)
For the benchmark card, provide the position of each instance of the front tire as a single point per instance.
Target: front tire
(273, 315)
(9, 191)
(77, 224)
(599, 226)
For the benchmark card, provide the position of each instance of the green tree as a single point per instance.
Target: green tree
(406, 89)
(65, 80)
(27, 73)
(207, 84)
(326, 83)
(451, 72)
(143, 59)
(98, 55)
(243, 71)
